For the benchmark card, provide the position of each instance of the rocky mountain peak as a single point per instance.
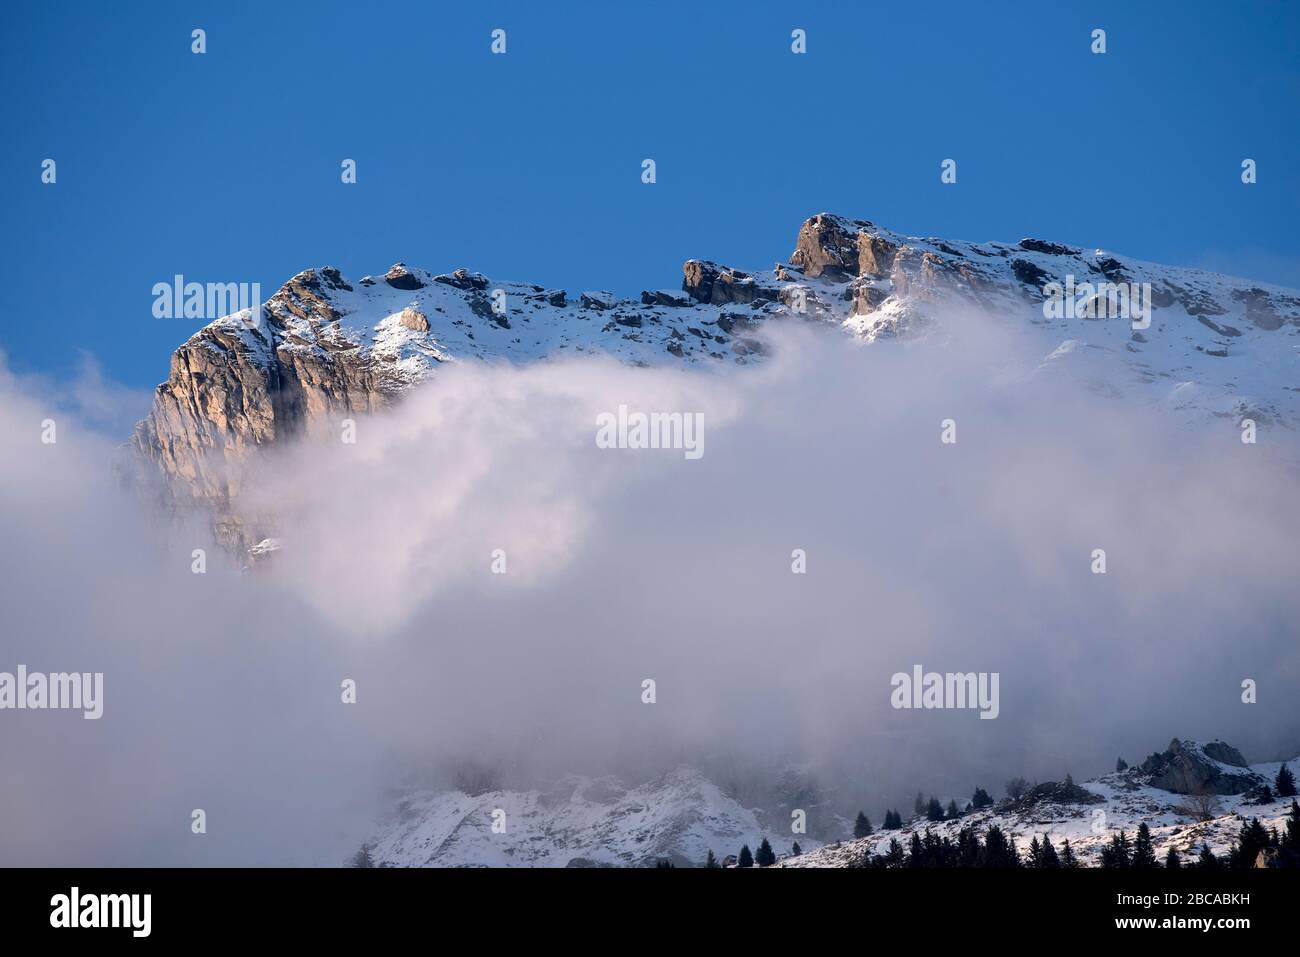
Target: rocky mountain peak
(322, 349)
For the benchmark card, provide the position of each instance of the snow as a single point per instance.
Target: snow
(1127, 804)
(579, 821)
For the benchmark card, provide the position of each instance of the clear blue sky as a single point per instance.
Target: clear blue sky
(225, 167)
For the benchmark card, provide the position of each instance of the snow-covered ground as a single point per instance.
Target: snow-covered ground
(1126, 803)
(683, 815)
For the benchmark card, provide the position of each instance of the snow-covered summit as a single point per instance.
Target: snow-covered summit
(324, 347)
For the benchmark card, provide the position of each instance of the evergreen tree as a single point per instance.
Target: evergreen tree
(934, 810)
(953, 813)
(1144, 855)
(1292, 838)
(1251, 839)
(796, 850)
(919, 804)
(1049, 857)
(765, 857)
(1207, 860)
(1067, 855)
(1035, 853)
(981, 799)
(894, 857)
(711, 862)
(1121, 764)
(968, 847)
(893, 820)
(1172, 861)
(998, 851)
(915, 854)
(1289, 842)
(1119, 854)
(362, 857)
(1017, 787)
(862, 826)
(663, 865)
(746, 859)
(1285, 783)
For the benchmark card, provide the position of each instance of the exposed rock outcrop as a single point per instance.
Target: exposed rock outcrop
(1187, 768)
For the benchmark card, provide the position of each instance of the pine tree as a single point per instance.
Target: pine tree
(711, 862)
(363, 858)
(746, 859)
(1067, 855)
(1292, 838)
(919, 804)
(981, 799)
(1207, 860)
(1144, 855)
(953, 813)
(998, 851)
(934, 810)
(1035, 853)
(893, 820)
(1251, 839)
(894, 857)
(765, 857)
(1172, 861)
(1285, 783)
(1119, 854)
(915, 855)
(862, 826)
(1049, 858)
(796, 850)
(1121, 765)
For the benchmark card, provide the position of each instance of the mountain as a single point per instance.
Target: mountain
(322, 348)
(579, 822)
(682, 815)
(1168, 792)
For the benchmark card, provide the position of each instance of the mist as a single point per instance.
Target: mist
(222, 690)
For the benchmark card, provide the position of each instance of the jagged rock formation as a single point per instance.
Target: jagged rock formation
(1187, 768)
(322, 349)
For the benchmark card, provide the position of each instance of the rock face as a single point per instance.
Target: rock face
(1188, 768)
(322, 350)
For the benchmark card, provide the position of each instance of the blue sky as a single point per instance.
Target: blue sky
(225, 167)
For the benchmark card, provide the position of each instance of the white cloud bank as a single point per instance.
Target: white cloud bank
(222, 691)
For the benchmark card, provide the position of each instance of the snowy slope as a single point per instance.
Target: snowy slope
(1125, 802)
(578, 822)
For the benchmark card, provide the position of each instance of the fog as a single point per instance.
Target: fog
(222, 690)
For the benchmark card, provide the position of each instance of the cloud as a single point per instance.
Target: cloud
(222, 691)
